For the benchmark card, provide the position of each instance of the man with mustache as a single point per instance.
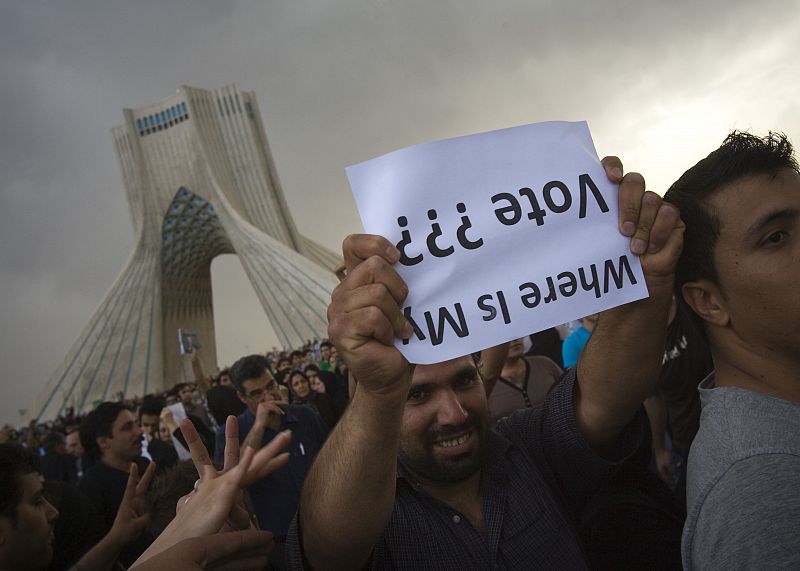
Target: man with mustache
(413, 476)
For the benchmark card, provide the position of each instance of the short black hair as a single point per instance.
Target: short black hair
(52, 440)
(740, 155)
(15, 462)
(99, 423)
(151, 405)
(300, 372)
(226, 372)
(247, 368)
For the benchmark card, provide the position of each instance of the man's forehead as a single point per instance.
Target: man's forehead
(124, 416)
(265, 378)
(31, 484)
(441, 372)
(751, 197)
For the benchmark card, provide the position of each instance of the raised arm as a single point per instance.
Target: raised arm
(354, 473)
(492, 360)
(620, 364)
(203, 384)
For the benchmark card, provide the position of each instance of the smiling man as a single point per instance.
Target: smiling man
(413, 477)
(739, 273)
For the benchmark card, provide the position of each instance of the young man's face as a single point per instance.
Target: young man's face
(125, 444)
(150, 425)
(28, 543)
(74, 445)
(263, 388)
(757, 256)
(185, 394)
(445, 421)
(516, 348)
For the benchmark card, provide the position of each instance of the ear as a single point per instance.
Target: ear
(706, 300)
(102, 442)
(241, 397)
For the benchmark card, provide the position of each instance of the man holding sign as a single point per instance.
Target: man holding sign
(414, 476)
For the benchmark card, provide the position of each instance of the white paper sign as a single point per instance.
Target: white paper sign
(503, 234)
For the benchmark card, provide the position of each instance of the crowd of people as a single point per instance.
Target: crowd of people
(590, 450)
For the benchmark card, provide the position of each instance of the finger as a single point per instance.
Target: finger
(358, 247)
(141, 521)
(379, 296)
(631, 191)
(275, 407)
(359, 327)
(340, 271)
(181, 501)
(231, 443)
(200, 457)
(647, 216)
(266, 468)
(130, 486)
(144, 482)
(269, 452)
(267, 408)
(375, 270)
(662, 264)
(237, 474)
(613, 168)
(246, 460)
(667, 218)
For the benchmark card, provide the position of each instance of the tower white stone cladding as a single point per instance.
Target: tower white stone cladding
(200, 181)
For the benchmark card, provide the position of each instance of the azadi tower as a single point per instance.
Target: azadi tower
(200, 181)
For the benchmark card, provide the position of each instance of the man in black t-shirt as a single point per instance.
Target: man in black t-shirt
(112, 438)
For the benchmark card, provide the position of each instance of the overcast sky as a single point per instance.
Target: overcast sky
(660, 83)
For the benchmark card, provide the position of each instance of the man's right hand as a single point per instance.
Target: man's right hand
(365, 317)
(267, 409)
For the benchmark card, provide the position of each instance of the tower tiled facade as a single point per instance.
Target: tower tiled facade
(200, 181)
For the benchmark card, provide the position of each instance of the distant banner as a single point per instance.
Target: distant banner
(502, 234)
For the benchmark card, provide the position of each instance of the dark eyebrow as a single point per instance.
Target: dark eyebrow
(758, 226)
